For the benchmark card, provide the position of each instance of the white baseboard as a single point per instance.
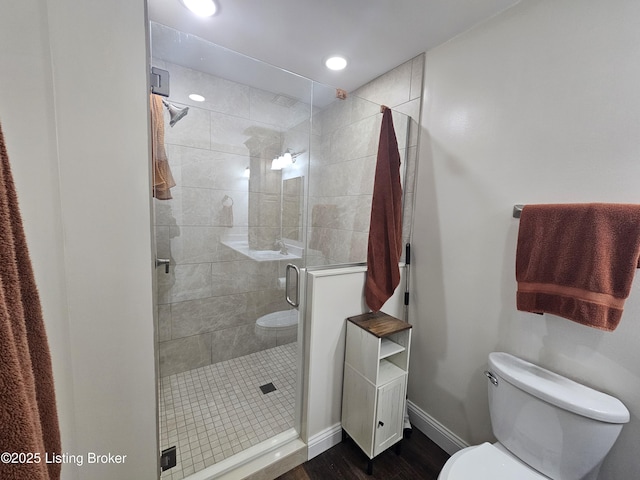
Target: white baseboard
(324, 440)
(441, 435)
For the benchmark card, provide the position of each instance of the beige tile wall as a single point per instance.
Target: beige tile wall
(345, 143)
(210, 300)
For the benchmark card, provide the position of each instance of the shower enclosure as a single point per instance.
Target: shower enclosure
(273, 174)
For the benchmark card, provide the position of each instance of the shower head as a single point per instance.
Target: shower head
(175, 112)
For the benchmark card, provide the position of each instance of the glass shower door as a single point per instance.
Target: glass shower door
(229, 357)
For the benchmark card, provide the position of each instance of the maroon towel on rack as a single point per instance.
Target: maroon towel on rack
(28, 417)
(577, 261)
(385, 230)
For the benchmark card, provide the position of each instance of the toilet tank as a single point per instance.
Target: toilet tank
(559, 427)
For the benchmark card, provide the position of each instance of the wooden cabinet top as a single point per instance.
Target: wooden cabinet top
(379, 323)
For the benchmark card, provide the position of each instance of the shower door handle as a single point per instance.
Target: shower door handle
(290, 267)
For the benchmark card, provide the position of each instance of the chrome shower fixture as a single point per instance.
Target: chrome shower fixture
(175, 112)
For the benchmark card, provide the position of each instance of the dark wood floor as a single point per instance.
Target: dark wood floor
(419, 459)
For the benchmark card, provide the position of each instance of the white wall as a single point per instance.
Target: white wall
(73, 105)
(27, 118)
(538, 105)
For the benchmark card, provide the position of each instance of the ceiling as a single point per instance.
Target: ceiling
(296, 35)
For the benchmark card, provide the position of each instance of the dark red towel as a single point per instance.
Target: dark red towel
(577, 261)
(385, 230)
(28, 418)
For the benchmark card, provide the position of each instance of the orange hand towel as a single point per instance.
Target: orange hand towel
(28, 417)
(162, 178)
(385, 230)
(577, 261)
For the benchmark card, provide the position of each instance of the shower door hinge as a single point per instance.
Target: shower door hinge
(159, 80)
(168, 458)
(406, 298)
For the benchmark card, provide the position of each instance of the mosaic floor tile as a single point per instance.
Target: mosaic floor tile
(213, 412)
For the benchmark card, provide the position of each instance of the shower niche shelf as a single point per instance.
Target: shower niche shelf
(375, 381)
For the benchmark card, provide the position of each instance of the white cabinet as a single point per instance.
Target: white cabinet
(375, 381)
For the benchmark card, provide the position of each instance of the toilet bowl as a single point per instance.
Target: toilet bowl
(283, 324)
(547, 426)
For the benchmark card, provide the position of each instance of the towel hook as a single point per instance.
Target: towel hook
(517, 210)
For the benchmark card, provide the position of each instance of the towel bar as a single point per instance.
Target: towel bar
(517, 210)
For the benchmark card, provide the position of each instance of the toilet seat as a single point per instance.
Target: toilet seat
(487, 462)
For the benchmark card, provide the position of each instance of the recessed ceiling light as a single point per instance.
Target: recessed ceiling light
(202, 8)
(335, 62)
(196, 98)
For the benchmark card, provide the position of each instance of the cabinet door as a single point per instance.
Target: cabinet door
(358, 409)
(390, 414)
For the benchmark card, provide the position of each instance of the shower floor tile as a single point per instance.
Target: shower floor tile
(213, 412)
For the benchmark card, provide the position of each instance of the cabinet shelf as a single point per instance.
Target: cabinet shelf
(388, 372)
(389, 347)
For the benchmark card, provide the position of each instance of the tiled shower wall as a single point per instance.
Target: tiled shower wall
(210, 300)
(212, 296)
(343, 160)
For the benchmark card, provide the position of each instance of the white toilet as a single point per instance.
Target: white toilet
(547, 426)
(283, 324)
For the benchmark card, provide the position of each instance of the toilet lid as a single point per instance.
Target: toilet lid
(487, 462)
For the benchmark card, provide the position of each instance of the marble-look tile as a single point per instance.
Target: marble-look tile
(242, 276)
(199, 244)
(364, 108)
(169, 212)
(343, 214)
(362, 215)
(356, 140)
(417, 76)
(163, 282)
(220, 95)
(188, 282)
(411, 110)
(237, 341)
(210, 169)
(266, 109)
(210, 314)
(358, 247)
(173, 157)
(197, 206)
(233, 134)
(391, 88)
(262, 302)
(410, 165)
(323, 211)
(298, 141)
(401, 125)
(331, 180)
(184, 354)
(193, 130)
(334, 116)
(164, 323)
(163, 241)
(303, 127)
